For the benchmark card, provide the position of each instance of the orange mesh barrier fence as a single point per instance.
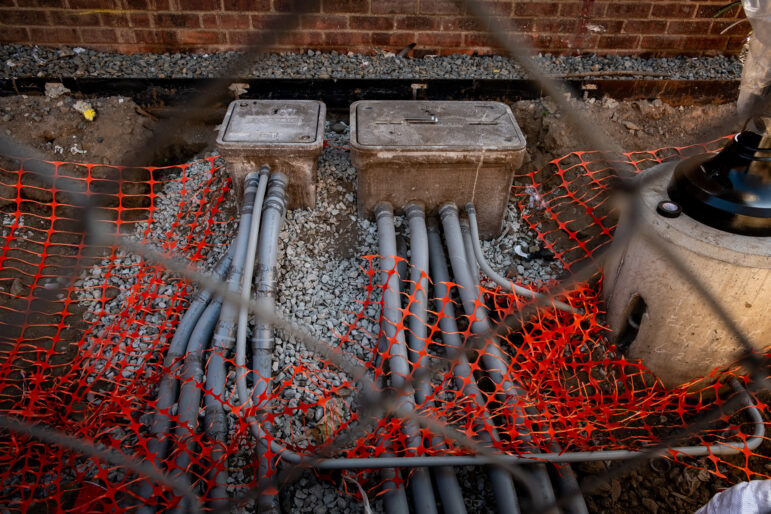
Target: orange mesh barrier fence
(82, 351)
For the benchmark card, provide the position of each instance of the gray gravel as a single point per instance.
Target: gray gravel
(34, 61)
(321, 287)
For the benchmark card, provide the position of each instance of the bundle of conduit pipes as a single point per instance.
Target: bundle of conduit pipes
(213, 328)
(408, 353)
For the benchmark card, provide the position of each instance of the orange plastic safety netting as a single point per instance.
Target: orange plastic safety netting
(84, 331)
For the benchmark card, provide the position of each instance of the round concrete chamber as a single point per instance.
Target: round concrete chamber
(658, 316)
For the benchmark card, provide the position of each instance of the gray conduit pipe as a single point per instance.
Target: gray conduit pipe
(420, 483)
(192, 386)
(262, 335)
(502, 484)
(468, 246)
(495, 277)
(471, 298)
(446, 481)
(491, 356)
(471, 241)
(222, 342)
(168, 387)
(246, 286)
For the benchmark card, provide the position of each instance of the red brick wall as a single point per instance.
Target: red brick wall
(645, 27)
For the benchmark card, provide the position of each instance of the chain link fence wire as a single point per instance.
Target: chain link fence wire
(85, 327)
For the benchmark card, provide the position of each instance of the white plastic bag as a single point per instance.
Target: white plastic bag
(744, 498)
(756, 75)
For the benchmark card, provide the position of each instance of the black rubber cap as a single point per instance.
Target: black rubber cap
(729, 191)
(669, 209)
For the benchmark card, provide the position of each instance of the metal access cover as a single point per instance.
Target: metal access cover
(272, 122)
(437, 124)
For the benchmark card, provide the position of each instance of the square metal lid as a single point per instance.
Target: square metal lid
(437, 124)
(271, 122)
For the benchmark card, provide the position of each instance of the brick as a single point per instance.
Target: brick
(304, 39)
(200, 37)
(246, 5)
(740, 29)
(324, 22)
(347, 38)
(603, 26)
(301, 6)
(635, 10)
(177, 20)
(553, 42)
(240, 37)
(463, 24)
(615, 41)
(709, 11)
(74, 19)
(585, 42)
(478, 39)
(393, 39)
(582, 9)
(439, 39)
(312, 38)
(676, 11)
(148, 5)
(14, 35)
(139, 20)
(54, 35)
(266, 21)
(570, 9)
(372, 23)
(524, 24)
(440, 7)
(704, 43)
(197, 5)
(498, 8)
(418, 23)
(345, 6)
(122, 19)
(661, 42)
(99, 35)
(24, 17)
(736, 44)
(226, 21)
(95, 4)
(557, 26)
(689, 27)
(644, 27)
(394, 7)
(536, 9)
(40, 3)
(162, 37)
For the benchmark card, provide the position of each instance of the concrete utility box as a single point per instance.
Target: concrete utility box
(436, 152)
(671, 327)
(287, 135)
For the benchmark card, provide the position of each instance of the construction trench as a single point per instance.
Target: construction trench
(229, 405)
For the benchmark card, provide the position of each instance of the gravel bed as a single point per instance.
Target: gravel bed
(321, 287)
(34, 61)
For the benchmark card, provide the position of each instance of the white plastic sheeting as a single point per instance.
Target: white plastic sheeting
(744, 498)
(756, 75)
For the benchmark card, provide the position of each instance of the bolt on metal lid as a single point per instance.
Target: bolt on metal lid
(258, 122)
(436, 124)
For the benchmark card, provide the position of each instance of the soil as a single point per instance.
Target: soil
(53, 127)
(633, 126)
(57, 129)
